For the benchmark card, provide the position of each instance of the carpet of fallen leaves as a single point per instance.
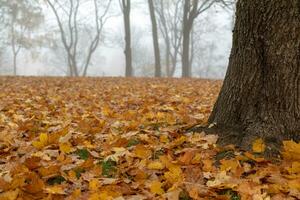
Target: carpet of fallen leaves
(115, 138)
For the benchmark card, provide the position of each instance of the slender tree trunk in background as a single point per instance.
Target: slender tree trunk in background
(70, 68)
(174, 63)
(15, 48)
(128, 53)
(155, 39)
(15, 64)
(168, 66)
(187, 26)
(260, 97)
(192, 51)
(186, 71)
(75, 67)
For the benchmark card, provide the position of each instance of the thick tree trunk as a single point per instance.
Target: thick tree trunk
(128, 52)
(261, 92)
(155, 39)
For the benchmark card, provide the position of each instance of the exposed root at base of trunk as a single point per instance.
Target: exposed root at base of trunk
(243, 138)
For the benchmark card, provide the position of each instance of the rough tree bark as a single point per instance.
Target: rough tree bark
(126, 7)
(155, 39)
(260, 97)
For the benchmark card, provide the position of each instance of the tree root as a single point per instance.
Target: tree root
(243, 138)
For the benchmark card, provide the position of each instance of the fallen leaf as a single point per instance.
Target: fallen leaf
(156, 187)
(258, 146)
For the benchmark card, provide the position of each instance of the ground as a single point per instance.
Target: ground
(117, 138)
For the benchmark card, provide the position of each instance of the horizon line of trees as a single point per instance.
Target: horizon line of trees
(78, 34)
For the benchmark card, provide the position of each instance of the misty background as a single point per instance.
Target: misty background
(31, 39)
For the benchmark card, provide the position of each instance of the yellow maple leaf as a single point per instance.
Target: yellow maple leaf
(65, 147)
(156, 187)
(291, 150)
(178, 141)
(42, 142)
(94, 184)
(10, 195)
(37, 144)
(155, 165)
(295, 168)
(142, 152)
(174, 175)
(44, 138)
(227, 165)
(258, 146)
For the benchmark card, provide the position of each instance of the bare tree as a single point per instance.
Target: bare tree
(191, 10)
(20, 18)
(69, 30)
(126, 8)
(169, 19)
(155, 39)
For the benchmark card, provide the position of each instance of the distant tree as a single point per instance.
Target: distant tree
(2, 32)
(67, 15)
(169, 18)
(207, 59)
(126, 8)
(139, 48)
(20, 18)
(155, 39)
(191, 10)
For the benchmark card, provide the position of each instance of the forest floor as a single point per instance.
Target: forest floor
(117, 138)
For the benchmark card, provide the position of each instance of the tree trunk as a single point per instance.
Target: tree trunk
(14, 48)
(260, 97)
(128, 52)
(174, 63)
(192, 51)
(15, 64)
(155, 39)
(187, 26)
(168, 64)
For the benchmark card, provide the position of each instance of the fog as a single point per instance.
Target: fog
(41, 51)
